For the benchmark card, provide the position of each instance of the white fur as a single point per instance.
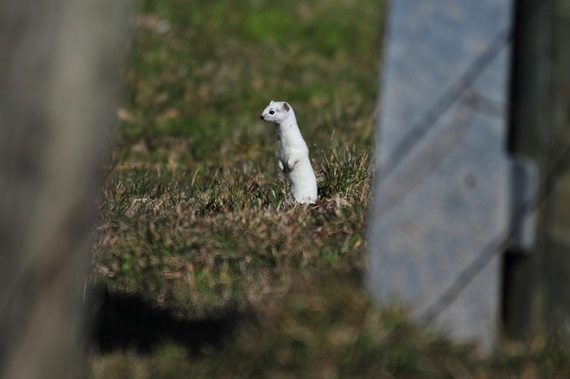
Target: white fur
(293, 152)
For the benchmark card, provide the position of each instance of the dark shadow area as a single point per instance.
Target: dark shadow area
(123, 321)
(514, 279)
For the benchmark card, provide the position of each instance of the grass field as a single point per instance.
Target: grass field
(203, 268)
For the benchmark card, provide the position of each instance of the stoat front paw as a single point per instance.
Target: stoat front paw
(291, 165)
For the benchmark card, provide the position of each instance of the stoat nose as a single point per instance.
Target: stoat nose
(262, 117)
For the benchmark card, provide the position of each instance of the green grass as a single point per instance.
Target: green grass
(193, 222)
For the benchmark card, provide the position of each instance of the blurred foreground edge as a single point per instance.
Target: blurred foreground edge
(471, 218)
(58, 70)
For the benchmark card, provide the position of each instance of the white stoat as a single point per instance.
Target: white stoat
(293, 152)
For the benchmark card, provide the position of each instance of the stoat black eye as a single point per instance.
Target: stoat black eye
(271, 112)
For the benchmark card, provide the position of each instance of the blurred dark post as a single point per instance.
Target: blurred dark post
(58, 70)
(538, 285)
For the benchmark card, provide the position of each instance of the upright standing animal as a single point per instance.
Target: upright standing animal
(293, 152)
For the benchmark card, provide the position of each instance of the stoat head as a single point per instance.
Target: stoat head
(277, 111)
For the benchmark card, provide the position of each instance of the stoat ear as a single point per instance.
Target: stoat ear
(286, 107)
(271, 102)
